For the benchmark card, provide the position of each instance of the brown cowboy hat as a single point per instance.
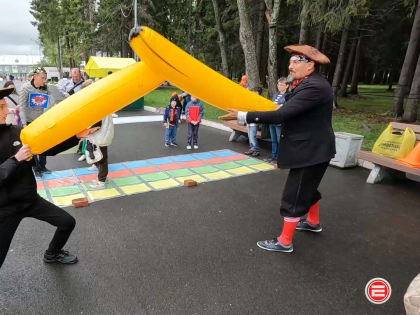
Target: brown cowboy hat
(308, 51)
(6, 92)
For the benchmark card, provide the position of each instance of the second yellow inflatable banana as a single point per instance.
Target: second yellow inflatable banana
(191, 75)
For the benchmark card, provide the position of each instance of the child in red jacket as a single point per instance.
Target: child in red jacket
(193, 115)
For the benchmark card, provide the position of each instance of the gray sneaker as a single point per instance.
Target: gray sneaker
(275, 246)
(304, 225)
(63, 257)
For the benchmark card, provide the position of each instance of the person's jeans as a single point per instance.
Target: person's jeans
(170, 134)
(252, 136)
(192, 138)
(275, 131)
(102, 165)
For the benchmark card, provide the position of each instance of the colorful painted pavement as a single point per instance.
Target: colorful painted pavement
(134, 177)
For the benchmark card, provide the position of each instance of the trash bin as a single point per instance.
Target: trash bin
(347, 145)
(136, 105)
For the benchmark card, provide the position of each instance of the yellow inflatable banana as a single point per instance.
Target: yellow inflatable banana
(161, 60)
(89, 106)
(193, 76)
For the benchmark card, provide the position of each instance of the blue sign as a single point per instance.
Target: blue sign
(38, 100)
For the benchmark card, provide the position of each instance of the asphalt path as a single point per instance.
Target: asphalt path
(193, 250)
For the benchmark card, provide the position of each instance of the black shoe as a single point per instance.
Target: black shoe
(63, 257)
(255, 154)
(303, 225)
(174, 144)
(275, 246)
(249, 152)
(45, 170)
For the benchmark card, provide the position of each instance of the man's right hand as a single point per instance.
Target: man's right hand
(23, 154)
(231, 115)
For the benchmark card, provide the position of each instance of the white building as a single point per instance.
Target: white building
(18, 65)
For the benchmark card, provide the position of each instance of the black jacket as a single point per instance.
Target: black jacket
(17, 182)
(307, 137)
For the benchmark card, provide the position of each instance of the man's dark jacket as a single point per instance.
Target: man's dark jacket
(17, 181)
(307, 137)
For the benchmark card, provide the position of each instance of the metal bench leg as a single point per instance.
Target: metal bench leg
(377, 174)
(234, 136)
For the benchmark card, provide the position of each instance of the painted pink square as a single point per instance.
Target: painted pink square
(39, 185)
(87, 178)
(216, 160)
(236, 157)
(145, 170)
(192, 163)
(122, 173)
(60, 182)
(167, 167)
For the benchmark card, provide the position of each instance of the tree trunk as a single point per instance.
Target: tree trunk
(222, 39)
(304, 23)
(320, 27)
(189, 27)
(60, 59)
(390, 81)
(343, 88)
(246, 38)
(323, 49)
(338, 65)
(355, 78)
(273, 9)
(91, 12)
(259, 42)
(410, 112)
(407, 70)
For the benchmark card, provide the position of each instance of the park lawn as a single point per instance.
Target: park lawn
(366, 114)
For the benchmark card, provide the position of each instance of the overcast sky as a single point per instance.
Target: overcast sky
(17, 35)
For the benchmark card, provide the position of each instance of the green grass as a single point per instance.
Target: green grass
(366, 114)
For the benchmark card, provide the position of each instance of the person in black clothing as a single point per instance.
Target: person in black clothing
(18, 194)
(307, 143)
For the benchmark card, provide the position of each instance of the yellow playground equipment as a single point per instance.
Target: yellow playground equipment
(161, 60)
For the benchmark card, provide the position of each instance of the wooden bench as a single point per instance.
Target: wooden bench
(384, 166)
(238, 130)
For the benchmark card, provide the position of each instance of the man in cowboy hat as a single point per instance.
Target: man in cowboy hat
(307, 143)
(18, 191)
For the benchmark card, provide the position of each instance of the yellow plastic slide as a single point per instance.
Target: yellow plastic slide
(193, 76)
(89, 106)
(161, 60)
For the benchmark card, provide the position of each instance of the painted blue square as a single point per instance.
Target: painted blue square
(58, 174)
(183, 158)
(135, 164)
(224, 153)
(204, 155)
(115, 167)
(84, 171)
(160, 161)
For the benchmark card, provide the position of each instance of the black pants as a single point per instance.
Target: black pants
(102, 165)
(44, 211)
(192, 138)
(301, 190)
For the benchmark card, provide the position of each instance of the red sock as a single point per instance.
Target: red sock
(289, 227)
(313, 214)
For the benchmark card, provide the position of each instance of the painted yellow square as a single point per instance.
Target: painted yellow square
(66, 200)
(197, 178)
(103, 193)
(243, 170)
(263, 166)
(218, 175)
(163, 184)
(135, 189)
